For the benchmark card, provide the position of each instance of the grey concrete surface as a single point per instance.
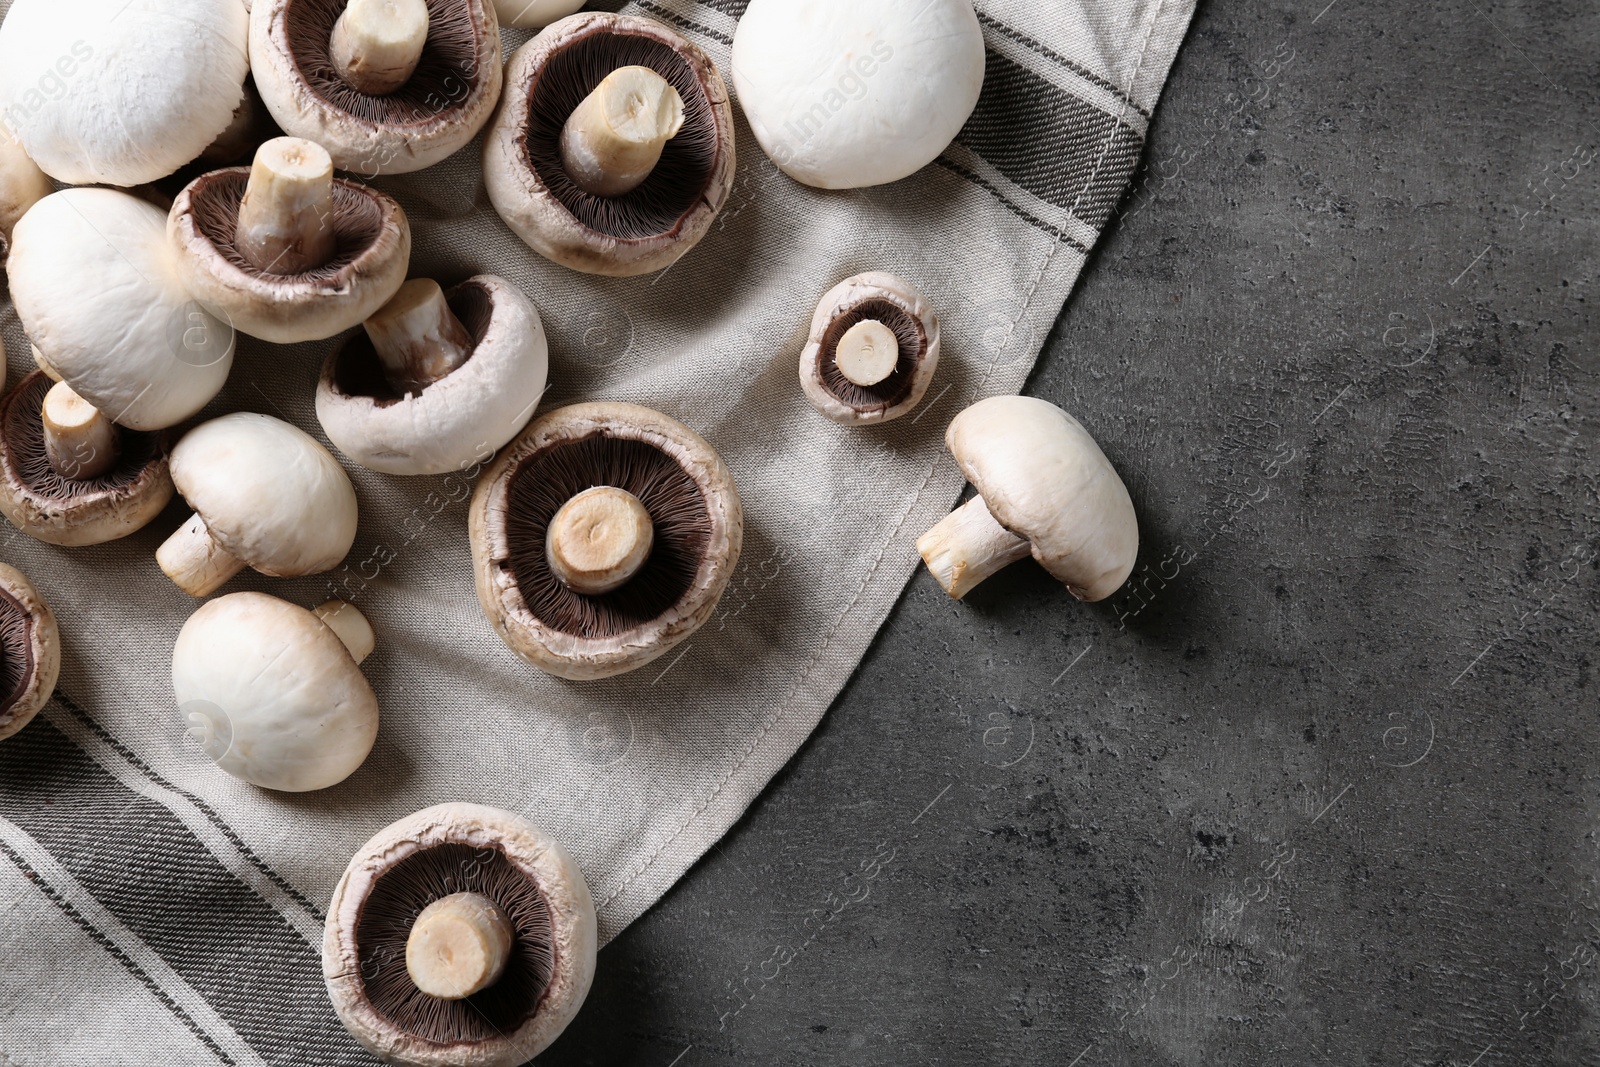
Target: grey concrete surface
(1323, 791)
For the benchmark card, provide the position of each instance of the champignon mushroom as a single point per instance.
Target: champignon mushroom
(22, 185)
(265, 495)
(569, 573)
(850, 93)
(613, 149)
(94, 285)
(120, 92)
(436, 382)
(284, 250)
(1046, 488)
(70, 476)
(873, 348)
(30, 651)
(386, 86)
(534, 14)
(461, 934)
(274, 693)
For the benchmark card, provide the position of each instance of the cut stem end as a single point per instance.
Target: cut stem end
(376, 44)
(614, 138)
(867, 353)
(458, 946)
(194, 560)
(599, 540)
(286, 218)
(79, 441)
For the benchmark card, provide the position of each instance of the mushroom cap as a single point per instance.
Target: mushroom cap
(96, 289)
(268, 492)
(445, 103)
(850, 93)
(1044, 479)
(22, 185)
(638, 232)
(533, 14)
(121, 92)
(67, 511)
(461, 419)
(487, 836)
(699, 531)
(277, 697)
(374, 251)
(902, 308)
(30, 651)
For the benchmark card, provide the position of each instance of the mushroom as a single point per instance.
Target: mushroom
(461, 934)
(437, 381)
(30, 651)
(22, 185)
(873, 348)
(613, 149)
(1046, 488)
(265, 495)
(534, 14)
(284, 250)
(386, 86)
(68, 475)
(93, 281)
(274, 693)
(120, 92)
(849, 93)
(603, 537)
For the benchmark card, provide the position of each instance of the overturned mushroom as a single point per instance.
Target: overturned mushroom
(274, 693)
(265, 495)
(461, 934)
(386, 86)
(873, 349)
(22, 185)
(534, 14)
(286, 251)
(1046, 488)
(603, 537)
(437, 381)
(30, 651)
(613, 149)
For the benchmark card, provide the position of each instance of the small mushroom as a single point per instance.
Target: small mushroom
(22, 185)
(534, 14)
(603, 537)
(437, 381)
(386, 86)
(265, 495)
(873, 349)
(1046, 488)
(274, 693)
(613, 149)
(284, 250)
(460, 935)
(849, 93)
(30, 651)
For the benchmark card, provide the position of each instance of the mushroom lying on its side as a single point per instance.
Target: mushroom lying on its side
(873, 348)
(1046, 488)
(460, 935)
(30, 651)
(22, 185)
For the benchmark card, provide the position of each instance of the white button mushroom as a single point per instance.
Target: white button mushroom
(849, 93)
(274, 693)
(22, 185)
(1046, 488)
(266, 495)
(873, 349)
(534, 14)
(30, 651)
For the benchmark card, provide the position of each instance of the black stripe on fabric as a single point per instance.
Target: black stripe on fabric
(688, 24)
(731, 8)
(159, 880)
(116, 953)
(1016, 209)
(1056, 57)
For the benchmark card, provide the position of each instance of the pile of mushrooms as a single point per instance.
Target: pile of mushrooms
(30, 651)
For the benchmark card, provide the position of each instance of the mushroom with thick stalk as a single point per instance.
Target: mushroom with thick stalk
(534, 14)
(873, 349)
(461, 934)
(603, 537)
(286, 251)
(274, 693)
(30, 651)
(22, 185)
(1045, 488)
(613, 149)
(437, 381)
(265, 495)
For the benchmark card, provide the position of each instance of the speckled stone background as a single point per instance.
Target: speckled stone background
(1321, 785)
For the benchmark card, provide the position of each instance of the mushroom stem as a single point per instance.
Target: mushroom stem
(194, 560)
(351, 627)
(613, 140)
(418, 338)
(286, 218)
(376, 43)
(79, 441)
(967, 546)
(867, 353)
(599, 540)
(458, 946)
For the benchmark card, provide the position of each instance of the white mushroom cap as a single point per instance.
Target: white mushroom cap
(121, 92)
(22, 185)
(534, 14)
(96, 290)
(273, 694)
(849, 93)
(29, 632)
